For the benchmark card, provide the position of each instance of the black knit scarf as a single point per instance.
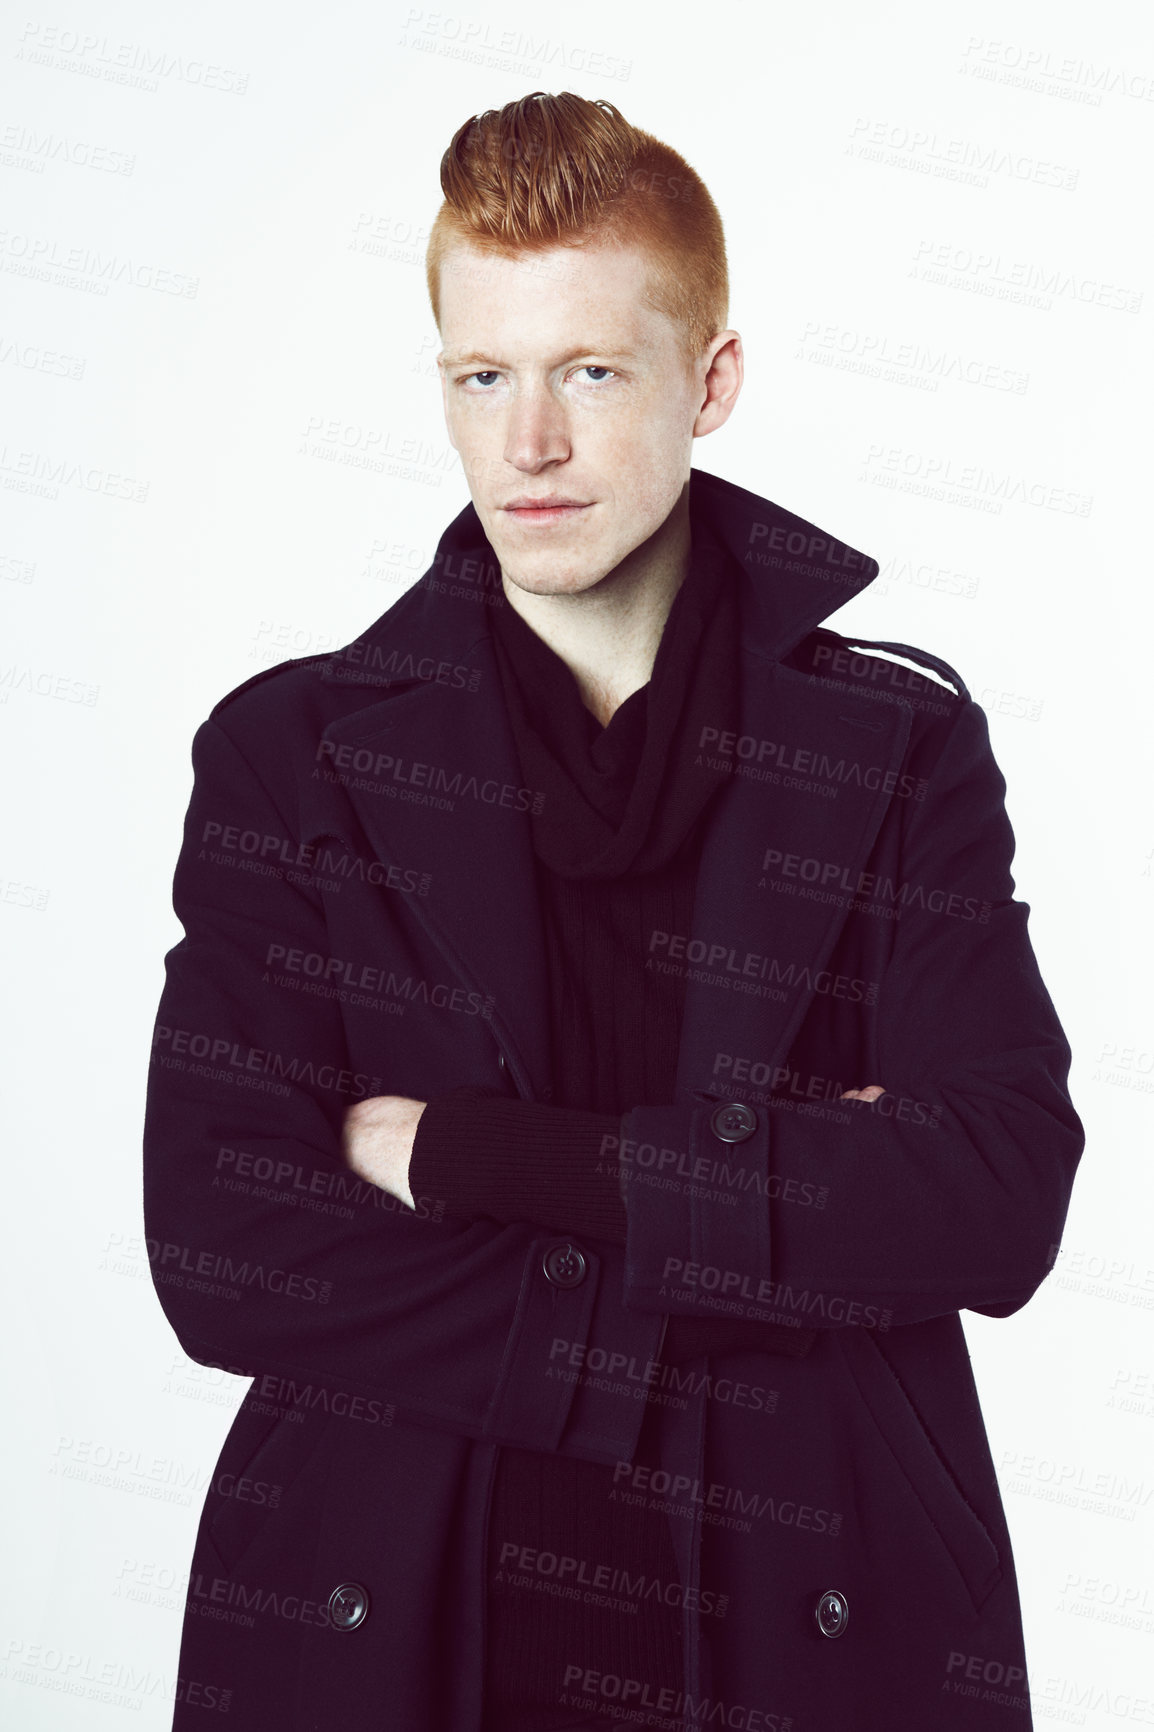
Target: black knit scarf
(623, 797)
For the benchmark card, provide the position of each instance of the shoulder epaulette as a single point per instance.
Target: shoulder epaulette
(921, 656)
(267, 674)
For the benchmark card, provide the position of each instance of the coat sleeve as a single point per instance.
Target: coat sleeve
(267, 1253)
(951, 1190)
(518, 1160)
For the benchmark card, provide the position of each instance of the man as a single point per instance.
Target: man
(604, 1057)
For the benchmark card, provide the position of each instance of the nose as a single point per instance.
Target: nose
(537, 432)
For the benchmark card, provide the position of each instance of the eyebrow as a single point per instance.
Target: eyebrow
(473, 356)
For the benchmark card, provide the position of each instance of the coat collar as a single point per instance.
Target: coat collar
(445, 736)
(797, 575)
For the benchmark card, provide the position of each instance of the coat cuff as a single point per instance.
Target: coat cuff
(484, 1153)
(696, 1183)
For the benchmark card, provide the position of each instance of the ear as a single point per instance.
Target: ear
(724, 377)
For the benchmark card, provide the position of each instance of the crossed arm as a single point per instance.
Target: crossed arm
(922, 1221)
(378, 1134)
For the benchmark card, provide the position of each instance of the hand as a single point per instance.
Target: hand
(377, 1141)
(869, 1093)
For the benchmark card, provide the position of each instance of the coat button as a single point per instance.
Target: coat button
(733, 1121)
(501, 1061)
(348, 1606)
(564, 1265)
(832, 1613)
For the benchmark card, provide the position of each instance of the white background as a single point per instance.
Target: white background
(923, 207)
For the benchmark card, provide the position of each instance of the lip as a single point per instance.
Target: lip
(545, 510)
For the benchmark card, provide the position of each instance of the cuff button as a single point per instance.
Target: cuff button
(733, 1121)
(348, 1606)
(564, 1265)
(832, 1613)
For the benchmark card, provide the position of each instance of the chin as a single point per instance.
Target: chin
(549, 583)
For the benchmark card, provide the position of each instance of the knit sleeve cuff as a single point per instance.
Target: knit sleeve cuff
(483, 1153)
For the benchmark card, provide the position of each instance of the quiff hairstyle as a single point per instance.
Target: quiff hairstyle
(549, 171)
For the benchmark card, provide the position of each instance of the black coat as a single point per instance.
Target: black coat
(357, 890)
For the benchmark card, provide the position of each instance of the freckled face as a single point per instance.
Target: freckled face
(560, 382)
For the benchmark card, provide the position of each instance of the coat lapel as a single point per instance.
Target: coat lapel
(468, 828)
(812, 784)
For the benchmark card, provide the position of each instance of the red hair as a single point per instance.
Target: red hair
(552, 171)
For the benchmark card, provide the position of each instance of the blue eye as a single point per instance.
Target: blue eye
(492, 373)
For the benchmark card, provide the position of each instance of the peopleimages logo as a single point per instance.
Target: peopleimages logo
(816, 549)
(729, 1285)
(229, 1060)
(587, 1690)
(223, 840)
(698, 1497)
(809, 761)
(807, 869)
(712, 1170)
(604, 1579)
(381, 772)
(314, 965)
(641, 1378)
(312, 1397)
(384, 666)
(680, 946)
(172, 1262)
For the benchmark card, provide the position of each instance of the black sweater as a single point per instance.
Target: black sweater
(617, 843)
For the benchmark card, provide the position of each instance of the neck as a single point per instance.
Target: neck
(608, 635)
